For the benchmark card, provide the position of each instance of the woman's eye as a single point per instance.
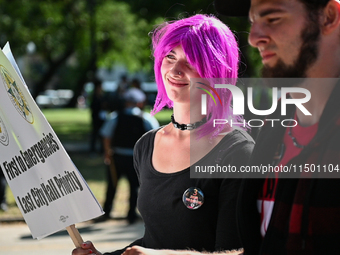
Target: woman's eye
(171, 57)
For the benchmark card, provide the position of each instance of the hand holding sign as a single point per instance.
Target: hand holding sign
(86, 248)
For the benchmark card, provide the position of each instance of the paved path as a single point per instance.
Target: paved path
(15, 238)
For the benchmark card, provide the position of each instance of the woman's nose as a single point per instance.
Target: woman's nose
(178, 69)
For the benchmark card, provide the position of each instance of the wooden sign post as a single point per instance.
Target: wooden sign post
(75, 236)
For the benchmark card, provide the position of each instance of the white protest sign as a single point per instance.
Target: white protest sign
(48, 188)
(8, 53)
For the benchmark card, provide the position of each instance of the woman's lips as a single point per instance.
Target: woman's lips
(176, 83)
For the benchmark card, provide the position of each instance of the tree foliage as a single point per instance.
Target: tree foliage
(74, 37)
(74, 34)
(175, 9)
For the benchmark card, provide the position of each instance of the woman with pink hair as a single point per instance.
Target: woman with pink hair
(181, 212)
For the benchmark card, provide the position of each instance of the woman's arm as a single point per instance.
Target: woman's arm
(137, 250)
(88, 248)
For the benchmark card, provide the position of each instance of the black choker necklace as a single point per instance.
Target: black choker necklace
(187, 126)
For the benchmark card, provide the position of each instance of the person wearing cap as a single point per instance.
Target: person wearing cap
(181, 212)
(120, 133)
(296, 39)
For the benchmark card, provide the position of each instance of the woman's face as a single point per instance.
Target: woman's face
(176, 73)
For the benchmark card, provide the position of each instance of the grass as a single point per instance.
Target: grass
(73, 126)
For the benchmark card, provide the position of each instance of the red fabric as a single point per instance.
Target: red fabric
(303, 135)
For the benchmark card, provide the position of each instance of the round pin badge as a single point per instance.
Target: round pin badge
(193, 198)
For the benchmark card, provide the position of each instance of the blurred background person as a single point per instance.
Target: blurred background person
(98, 116)
(120, 133)
(136, 85)
(123, 85)
(3, 185)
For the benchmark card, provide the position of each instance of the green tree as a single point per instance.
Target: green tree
(74, 34)
(173, 9)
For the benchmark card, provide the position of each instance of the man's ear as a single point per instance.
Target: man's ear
(330, 17)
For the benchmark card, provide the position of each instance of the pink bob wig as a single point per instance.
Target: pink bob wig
(210, 47)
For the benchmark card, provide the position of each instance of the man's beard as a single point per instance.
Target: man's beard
(308, 54)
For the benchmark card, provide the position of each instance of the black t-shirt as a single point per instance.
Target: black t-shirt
(169, 224)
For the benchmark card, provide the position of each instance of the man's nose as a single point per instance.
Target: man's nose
(258, 36)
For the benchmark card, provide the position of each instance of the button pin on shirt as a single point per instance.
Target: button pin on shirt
(193, 198)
